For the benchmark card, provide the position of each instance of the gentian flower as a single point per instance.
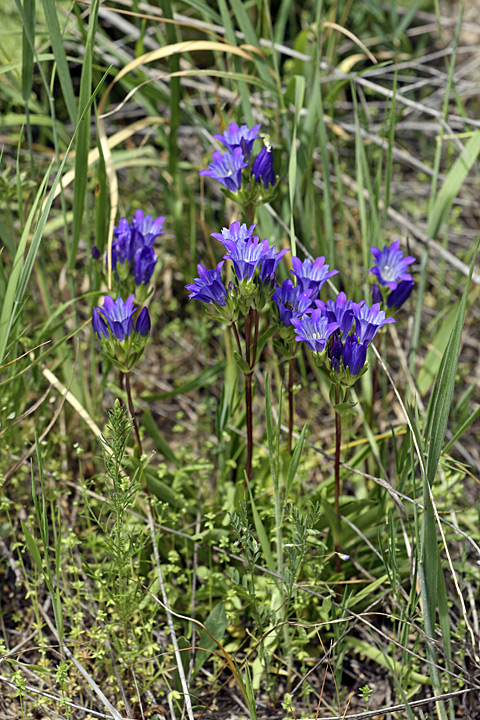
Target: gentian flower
(144, 265)
(311, 275)
(143, 324)
(262, 168)
(314, 329)
(100, 327)
(117, 317)
(401, 293)
(291, 302)
(335, 351)
(270, 264)
(391, 265)
(377, 296)
(242, 137)
(235, 233)
(132, 253)
(252, 256)
(209, 287)
(354, 355)
(368, 321)
(147, 227)
(227, 169)
(122, 341)
(339, 310)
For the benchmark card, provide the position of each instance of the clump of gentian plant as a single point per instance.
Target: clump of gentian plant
(338, 334)
(292, 302)
(254, 263)
(133, 259)
(248, 180)
(123, 331)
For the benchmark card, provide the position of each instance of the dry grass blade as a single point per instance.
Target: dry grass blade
(353, 37)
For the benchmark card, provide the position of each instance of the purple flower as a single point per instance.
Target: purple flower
(208, 287)
(314, 329)
(242, 137)
(252, 256)
(117, 316)
(270, 264)
(340, 310)
(144, 265)
(311, 275)
(122, 246)
(335, 351)
(227, 168)
(391, 265)
(134, 236)
(100, 327)
(262, 168)
(96, 254)
(377, 296)
(354, 355)
(368, 321)
(291, 302)
(143, 324)
(235, 233)
(147, 227)
(401, 293)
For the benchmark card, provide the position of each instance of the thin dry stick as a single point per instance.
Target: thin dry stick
(186, 693)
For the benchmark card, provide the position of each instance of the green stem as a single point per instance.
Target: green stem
(291, 402)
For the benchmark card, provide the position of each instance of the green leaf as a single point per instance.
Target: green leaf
(345, 408)
(452, 184)
(56, 40)
(261, 532)
(292, 468)
(32, 546)
(216, 624)
(242, 363)
(83, 137)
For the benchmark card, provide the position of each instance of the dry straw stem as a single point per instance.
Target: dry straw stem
(72, 400)
(161, 53)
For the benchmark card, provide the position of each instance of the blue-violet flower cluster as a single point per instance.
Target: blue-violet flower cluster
(122, 330)
(133, 256)
(337, 332)
(394, 282)
(227, 168)
(254, 264)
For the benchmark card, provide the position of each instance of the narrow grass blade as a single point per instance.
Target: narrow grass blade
(83, 137)
(56, 41)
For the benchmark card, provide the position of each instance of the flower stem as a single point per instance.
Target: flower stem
(132, 412)
(237, 338)
(291, 402)
(370, 415)
(338, 441)
(251, 318)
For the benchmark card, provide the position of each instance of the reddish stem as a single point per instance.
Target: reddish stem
(132, 412)
(338, 441)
